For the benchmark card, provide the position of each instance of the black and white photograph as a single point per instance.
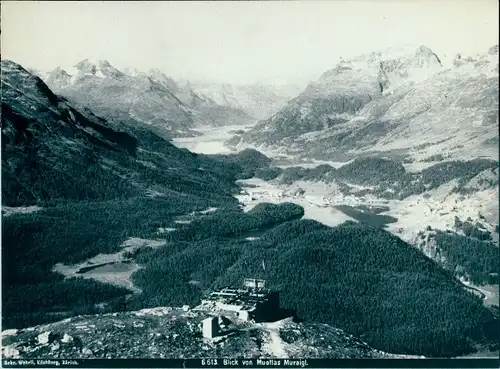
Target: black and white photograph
(283, 184)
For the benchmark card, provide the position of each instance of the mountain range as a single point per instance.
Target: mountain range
(150, 99)
(156, 101)
(397, 103)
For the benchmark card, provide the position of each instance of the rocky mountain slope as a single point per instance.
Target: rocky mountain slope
(258, 100)
(47, 144)
(151, 99)
(117, 96)
(42, 134)
(205, 110)
(174, 333)
(399, 102)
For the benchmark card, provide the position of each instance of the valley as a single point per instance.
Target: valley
(437, 207)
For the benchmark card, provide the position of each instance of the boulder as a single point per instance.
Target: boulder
(67, 338)
(46, 338)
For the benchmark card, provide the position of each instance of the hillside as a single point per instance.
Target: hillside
(42, 131)
(400, 102)
(206, 111)
(174, 333)
(46, 143)
(115, 95)
(370, 283)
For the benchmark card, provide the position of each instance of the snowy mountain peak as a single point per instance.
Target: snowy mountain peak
(58, 73)
(257, 100)
(132, 72)
(402, 52)
(58, 78)
(88, 65)
(98, 68)
(377, 71)
(392, 97)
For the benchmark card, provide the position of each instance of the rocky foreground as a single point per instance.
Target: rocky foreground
(176, 333)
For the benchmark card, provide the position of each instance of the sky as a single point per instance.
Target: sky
(282, 42)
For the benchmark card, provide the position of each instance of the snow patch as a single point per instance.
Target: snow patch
(182, 221)
(9, 332)
(252, 238)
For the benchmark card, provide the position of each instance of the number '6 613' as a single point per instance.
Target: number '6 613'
(208, 361)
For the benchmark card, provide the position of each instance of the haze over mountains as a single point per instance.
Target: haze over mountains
(374, 192)
(259, 100)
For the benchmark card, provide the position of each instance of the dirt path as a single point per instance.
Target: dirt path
(488, 293)
(274, 346)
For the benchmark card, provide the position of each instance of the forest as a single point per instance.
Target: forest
(476, 231)
(244, 163)
(470, 257)
(268, 173)
(389, 178)
(226, 223)
(72, 232)
(322, 172)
